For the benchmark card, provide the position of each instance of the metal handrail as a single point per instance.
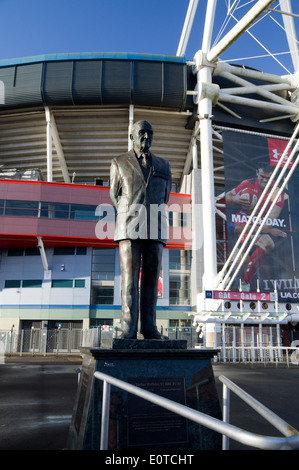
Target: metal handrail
(271, 417)
(223, 427)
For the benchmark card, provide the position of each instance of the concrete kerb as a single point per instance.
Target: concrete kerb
(42, 359)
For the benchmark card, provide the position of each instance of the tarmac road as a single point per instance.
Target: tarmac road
(37, 398)
(275, 388)
(36, 403)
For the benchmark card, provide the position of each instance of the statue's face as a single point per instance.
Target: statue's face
(142, 136)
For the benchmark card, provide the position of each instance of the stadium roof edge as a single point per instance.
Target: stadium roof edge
(91, 56)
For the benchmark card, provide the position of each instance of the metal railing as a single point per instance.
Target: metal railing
(228, 431)
(43, 341)
(259, 354)
(291, 441)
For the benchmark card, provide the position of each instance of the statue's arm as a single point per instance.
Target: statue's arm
(114, 182)
(168, 188)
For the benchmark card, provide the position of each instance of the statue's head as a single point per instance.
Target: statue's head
(142, 136)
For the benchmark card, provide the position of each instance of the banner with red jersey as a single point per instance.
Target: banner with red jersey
(276, 149)
(273, 259)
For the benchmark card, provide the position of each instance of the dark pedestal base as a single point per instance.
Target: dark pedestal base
(148, 344)
(166, 368)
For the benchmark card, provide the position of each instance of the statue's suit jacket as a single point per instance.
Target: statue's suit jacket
(140, 202)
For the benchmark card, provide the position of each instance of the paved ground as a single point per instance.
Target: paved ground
(276, 388)
(36, 402)
(37, 397)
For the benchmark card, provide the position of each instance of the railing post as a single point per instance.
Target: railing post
(105, 416)
(57, 341)
(271, 344)
(22, 343)
(252, 344)
(234, 344)
(33, 340)
(278, 341)
(226, 413)
(276, 355)
(223, 343)
(261, 341)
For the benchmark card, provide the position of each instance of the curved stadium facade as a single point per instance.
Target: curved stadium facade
(63, 119)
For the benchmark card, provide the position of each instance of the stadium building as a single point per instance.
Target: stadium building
(63, 118)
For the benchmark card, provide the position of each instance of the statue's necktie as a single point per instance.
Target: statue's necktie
(144, 160)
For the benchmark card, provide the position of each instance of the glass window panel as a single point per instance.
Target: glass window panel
(2, 203)
(179, 219)
(64, 250)
(32, 251)
(15, 252)
(32, 283)
(97, 267)
(106, 254)
(180, 277)
(81, 250)
(12, 283)
(96, 263)
(102, 276)
(94, 322)
(102, 295)
(179, 259)
(83, 212)
(103, 269)
(22, 208)
(54, 210)
(62, 283)
(79, 282)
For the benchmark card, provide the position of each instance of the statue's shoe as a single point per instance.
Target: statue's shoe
(153, 334)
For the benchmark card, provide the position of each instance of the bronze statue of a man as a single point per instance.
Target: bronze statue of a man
(140, 184)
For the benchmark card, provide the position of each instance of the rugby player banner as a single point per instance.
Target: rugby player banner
(249, 161)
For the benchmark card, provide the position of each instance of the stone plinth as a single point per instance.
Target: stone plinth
(166, 368)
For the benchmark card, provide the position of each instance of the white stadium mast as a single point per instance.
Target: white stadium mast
(207, 63)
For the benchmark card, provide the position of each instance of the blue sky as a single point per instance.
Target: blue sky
(34, 27)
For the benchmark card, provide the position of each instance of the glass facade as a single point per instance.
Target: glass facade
(33, 283)
(99, 287)
(102, 276)
(180, 277)
(51, 210)
(70, 250)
